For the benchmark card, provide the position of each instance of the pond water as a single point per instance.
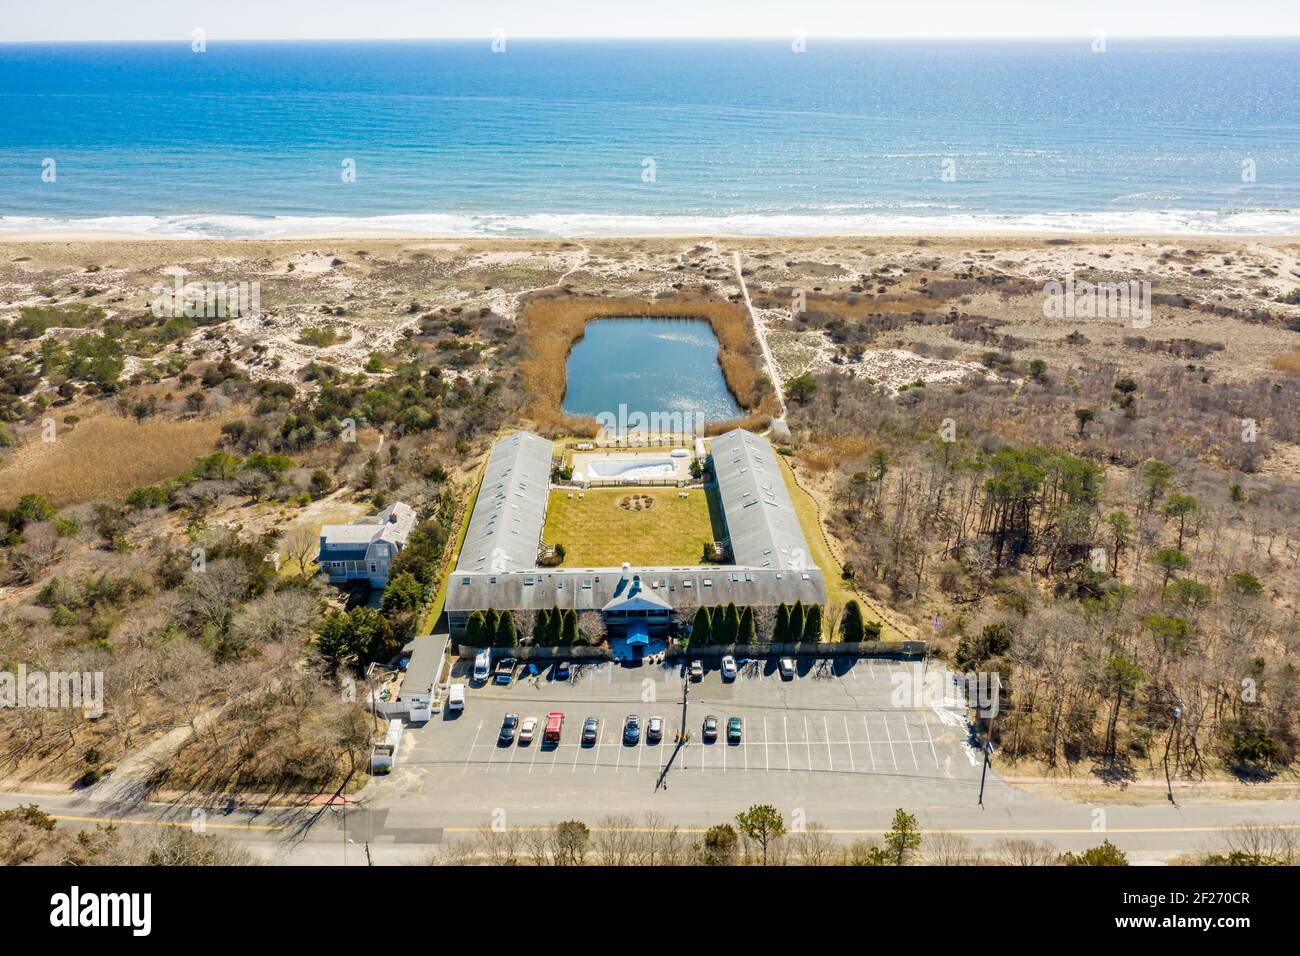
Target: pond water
(663, 369)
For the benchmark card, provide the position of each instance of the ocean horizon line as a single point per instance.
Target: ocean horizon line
(755, 38)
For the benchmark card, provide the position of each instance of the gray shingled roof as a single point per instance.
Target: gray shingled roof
(761, 521)
(505, 527)
(590, 589)
(426, 662)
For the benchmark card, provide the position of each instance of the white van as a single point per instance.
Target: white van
(483, 665)
(456, 697)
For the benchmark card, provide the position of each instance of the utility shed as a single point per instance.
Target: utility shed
(422, 674)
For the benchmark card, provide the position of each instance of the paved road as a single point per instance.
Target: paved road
(316, 837)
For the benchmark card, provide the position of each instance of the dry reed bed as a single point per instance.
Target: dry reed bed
(553, 324)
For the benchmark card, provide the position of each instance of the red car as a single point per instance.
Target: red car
(554, 725)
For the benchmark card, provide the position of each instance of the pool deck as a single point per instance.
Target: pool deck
(582, 464)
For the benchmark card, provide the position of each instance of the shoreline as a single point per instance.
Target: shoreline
(95, 236)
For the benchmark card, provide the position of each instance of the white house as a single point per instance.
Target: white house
(364, 551)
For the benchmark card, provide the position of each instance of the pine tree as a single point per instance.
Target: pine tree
(851, 624)
(796, 622)
(492, 622)
(702, 627)
(569, 630)
(542, 628)
(476, 630)
(506, 635)
(812, 625)
(781, 632)
(730, 626)
(746, 633)
(555, 633)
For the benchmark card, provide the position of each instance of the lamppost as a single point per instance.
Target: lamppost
(1169, 784)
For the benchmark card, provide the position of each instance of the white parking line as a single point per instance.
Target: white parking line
(767, 759)
(930, 738)
(807, 739)
(915, 765)
(639, 748)
(514, 745)
(554, 757)
(890, 741)
(871, 666)
(618, 756)
(870, 749)
(785, 732)
(827, 727)
(600, 736)
(536, 747)
(852, 764)
(470, 756)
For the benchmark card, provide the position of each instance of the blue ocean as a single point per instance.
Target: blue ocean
(589, 138)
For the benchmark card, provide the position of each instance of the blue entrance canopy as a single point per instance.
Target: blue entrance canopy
(637, 633)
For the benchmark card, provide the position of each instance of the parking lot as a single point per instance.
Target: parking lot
(834, 717)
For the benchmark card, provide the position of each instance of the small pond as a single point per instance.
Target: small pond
(665, 369)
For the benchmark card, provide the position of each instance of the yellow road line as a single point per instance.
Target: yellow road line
(880, 832)
(116, 821)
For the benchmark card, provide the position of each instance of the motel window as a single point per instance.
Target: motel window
(708, 582)
(528, 582)
(464, 581)
(686, 584)
(586, 583)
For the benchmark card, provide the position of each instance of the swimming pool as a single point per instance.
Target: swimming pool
(632, 468)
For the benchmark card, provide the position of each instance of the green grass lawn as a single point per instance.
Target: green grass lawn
(597, 533)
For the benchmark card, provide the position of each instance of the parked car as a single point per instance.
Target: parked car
(735, 726)
(632, 729)
(697, 670)
(729, 668)
(654, 729)
(506, 670)
(554, 727)
(508, 728)
(710, 727)
(562, 670)
(526, 730)
(590, 730)
(456, 697)
(786, 666)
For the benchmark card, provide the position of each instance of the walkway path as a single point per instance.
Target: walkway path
(761, 334)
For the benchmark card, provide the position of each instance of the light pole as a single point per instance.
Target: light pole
(1169, 784)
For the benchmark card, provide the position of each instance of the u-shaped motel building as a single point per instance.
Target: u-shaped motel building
(497, 567)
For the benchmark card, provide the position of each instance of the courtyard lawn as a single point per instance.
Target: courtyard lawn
(597, 533)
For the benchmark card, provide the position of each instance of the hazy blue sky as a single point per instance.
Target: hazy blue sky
(349, 19)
